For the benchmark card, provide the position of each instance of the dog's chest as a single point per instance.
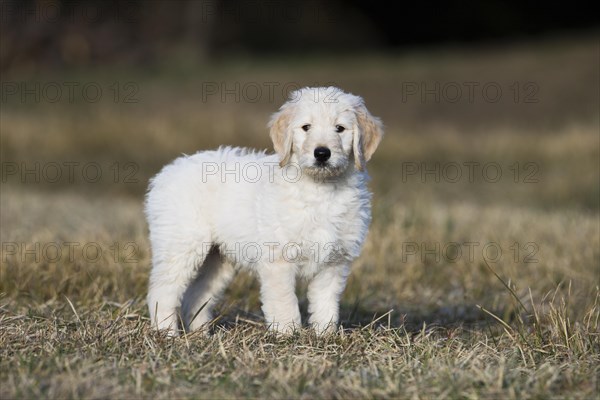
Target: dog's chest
(324, 228)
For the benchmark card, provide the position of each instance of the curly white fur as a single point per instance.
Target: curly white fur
(279, 215)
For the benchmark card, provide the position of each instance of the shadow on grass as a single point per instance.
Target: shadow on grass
(358, 317)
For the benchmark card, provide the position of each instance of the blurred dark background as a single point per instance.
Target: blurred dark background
(58, 33)
(458, 81)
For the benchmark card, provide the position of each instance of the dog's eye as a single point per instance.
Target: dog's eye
(339, 128)
(306, 127)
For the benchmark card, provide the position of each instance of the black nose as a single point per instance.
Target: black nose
(322, 154)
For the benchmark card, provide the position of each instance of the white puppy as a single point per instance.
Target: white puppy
(303, 211)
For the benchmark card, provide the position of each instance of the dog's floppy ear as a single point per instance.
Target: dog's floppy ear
(281, 134)
(367, 135)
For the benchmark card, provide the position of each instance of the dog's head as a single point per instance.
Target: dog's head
(323, 129)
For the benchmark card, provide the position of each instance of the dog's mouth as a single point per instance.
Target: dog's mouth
(324, 170)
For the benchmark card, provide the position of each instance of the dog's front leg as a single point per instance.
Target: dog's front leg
(278, 295)
(324, 293)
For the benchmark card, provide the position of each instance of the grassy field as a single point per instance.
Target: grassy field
(478, 285)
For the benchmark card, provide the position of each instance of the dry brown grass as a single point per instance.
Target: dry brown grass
(415, 326)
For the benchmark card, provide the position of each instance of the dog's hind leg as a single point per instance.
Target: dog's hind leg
(173, 270)
(200, 297)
